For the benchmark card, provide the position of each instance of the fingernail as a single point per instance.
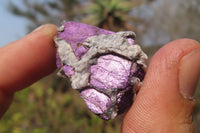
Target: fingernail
(189, 73)
(38, 28)
(47, 29)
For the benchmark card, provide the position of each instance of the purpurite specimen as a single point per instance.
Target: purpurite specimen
(107, 68)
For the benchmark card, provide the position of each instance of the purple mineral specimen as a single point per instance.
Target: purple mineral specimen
(106, 67)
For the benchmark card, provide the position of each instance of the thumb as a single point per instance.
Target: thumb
(164, 102)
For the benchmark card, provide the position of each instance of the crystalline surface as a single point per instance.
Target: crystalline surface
(96, 101)
(106, 67)
(110, 72)
(68, 70)
(75, 33)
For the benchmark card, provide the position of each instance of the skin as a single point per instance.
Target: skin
(163, 104)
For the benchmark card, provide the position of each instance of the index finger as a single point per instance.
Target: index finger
(26, 60)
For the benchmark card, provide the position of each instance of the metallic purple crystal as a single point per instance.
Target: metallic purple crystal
(106, 67)
(96, 101)
(130, 41)
(75, 33)
(110, 72)
(68, 70)
(80, 51)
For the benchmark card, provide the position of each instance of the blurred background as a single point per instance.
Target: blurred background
(50, 105)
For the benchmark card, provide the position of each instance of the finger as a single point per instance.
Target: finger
(159, 105)
(28, 59)
(5, 101)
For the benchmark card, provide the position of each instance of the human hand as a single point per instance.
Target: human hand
(25, 61)
(159, 106)
(164, 103)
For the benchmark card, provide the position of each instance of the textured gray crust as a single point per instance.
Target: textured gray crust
(99, 45)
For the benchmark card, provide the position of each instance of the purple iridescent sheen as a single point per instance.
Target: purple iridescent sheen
(130, 41)
(75, 33)
(68, 70)
(110, 72)
(107, 80)
(96, 101)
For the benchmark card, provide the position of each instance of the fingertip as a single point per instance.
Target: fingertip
(25, 61)
(185, 41)
(180, 46)
(28, 59)
(46, 29)
(165, 61)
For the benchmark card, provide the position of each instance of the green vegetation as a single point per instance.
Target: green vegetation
(111, 14)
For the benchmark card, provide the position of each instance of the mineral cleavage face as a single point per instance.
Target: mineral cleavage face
(106, 67)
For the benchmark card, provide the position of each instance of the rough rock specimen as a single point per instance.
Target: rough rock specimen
(107, 68)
